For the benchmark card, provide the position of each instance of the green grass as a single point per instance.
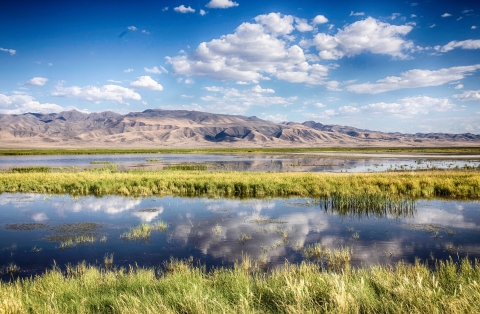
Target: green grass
(463, 150)
(142, 232)
(348, 191)
(450, 287)
(186, 167)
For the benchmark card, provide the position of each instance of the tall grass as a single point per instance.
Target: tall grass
(368, 188)
(451, 287)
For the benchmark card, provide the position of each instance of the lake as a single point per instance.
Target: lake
(321, 162)
(37, 231)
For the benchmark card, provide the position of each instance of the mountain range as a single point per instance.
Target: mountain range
(181, 128)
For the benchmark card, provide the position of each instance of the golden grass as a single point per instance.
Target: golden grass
(435, 184)
(451, 287)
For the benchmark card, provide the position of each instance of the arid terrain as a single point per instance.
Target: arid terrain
(180, 128)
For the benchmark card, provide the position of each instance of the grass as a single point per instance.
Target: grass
(153, 160)
(346, 190)
(253, 150)
(26, 226)
(142, 232)
(450, 287)
(186, 167)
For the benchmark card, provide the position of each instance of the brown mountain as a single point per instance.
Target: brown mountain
(180, 128)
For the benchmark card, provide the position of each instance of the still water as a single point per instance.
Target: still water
(217, 232)
(323, 162)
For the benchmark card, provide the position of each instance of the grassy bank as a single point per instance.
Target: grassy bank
(107, 181)
(305, 288)
(447, 150)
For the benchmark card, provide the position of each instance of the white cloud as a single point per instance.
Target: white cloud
(275, 23)
(10, 51)
(202, 12)
(276, 117)
(37, 81)
(433, 25)
(319, 19)
(96, 94)
(468, 95)
(395, 15)
(146, 82)
(464, 44)
(349, 110)
(356, 13)
(232, 100)
(156, 70)
(127, 70)
(415, 78)
(466, 11)
(241, 83)
(21, 103)
(252, 53)
(50, 64)
(414, 4)
(473, 27)
(302, 25)
(165, 9)
(368, 35)
(319, 105)
(221, 4)
(183, 9)
(187, 96)
(113, 81)
(145, 32)
(327, 114)
(132, 28)
(446, 15)
(413, 15)
(459, 86)
(189, 81)
(409, 106)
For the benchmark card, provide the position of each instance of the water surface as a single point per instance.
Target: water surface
(211, 230)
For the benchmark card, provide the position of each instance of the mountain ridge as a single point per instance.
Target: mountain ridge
(183, 128)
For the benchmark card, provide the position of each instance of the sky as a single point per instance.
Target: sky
(406, 66)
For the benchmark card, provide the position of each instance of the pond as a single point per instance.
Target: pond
(37, 231)
(323, 162)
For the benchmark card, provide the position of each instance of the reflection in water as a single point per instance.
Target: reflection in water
(219, 231)
(257, 162)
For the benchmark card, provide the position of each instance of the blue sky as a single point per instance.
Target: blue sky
(409, 66)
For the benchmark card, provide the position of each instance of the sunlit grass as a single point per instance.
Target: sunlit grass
(142, 232)
(378, 191)
(450, 287)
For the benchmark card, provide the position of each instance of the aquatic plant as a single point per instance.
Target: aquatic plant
(217, 230)
(244, 238)
(142, 232)
(101, 162)
(153, 159)
(186, 167)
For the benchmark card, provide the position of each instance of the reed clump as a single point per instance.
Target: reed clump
(450, 287)
(365, 188)
(142, 232)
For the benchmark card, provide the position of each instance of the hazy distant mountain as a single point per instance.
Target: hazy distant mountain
(180, 128)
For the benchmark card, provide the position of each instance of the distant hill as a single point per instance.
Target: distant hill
(181, 128)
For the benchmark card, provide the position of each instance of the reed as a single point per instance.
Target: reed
(346, 190)
(448, 287)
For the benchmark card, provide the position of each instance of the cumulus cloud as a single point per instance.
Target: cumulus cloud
(254, 52)
(320, 19)
(464, 44)
(446, 15)
(409, 106)
(232, 100)
(114, 93)
(327, 114)
(18, 103)
(132, 28)
(276, 117)
(156, 70)
(202, 12)
(468, 95)
(183, 9)
(368, 35)
(127, 70)
(302, 25)
(459, 86)
(146, 82)
(473, 27)
(415, 78)
(10, 51)
(37, 81)
(221, 4)
(356, 13)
